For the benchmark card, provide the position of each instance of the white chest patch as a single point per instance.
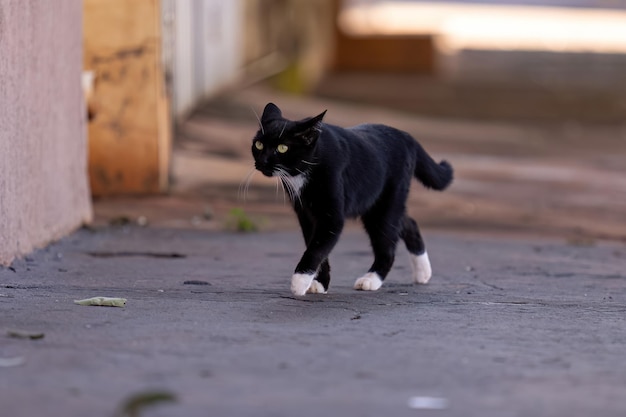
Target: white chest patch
(292, 184)
(297, 183)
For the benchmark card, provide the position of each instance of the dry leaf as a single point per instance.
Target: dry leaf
(102, 301)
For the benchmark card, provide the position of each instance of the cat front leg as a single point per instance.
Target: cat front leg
(301, 282)
(321, 281)
(368, 282)
(314, 261)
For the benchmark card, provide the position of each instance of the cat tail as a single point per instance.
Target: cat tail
(430, 173)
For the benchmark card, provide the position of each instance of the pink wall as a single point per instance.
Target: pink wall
(44, 191)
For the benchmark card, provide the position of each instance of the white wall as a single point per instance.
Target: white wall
(44, 192)
(202, 48)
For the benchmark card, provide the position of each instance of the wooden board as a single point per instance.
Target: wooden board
(129, 135)
(399, 54)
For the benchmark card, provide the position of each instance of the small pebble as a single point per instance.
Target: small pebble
(11, 362)
(428, 403)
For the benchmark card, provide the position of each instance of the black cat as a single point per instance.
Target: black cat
(332, 173)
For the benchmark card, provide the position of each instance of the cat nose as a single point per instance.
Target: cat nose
(265, 170)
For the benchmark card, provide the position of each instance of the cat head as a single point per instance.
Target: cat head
(284, 146)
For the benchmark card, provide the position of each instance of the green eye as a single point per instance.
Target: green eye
(258, 145)
(282, 148)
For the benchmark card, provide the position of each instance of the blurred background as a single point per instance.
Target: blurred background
(525, 98)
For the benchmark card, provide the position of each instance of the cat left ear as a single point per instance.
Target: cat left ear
(318, 118)
(311, 129)
(270, 112)
(314, 122)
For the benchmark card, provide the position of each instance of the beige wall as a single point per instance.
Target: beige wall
(44, 192)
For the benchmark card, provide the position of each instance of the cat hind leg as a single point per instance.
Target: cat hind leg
(420, 263)
(382, 225)
(422, 271)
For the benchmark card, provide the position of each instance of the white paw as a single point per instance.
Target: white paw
(421, 268)
(368, 282)
(300, 283)
(316, 288)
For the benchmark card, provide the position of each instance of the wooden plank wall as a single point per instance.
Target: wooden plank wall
(130, 134)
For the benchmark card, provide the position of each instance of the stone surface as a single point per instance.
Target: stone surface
(507, 326)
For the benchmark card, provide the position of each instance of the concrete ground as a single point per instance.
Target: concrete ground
(507, 327)
(524, 315)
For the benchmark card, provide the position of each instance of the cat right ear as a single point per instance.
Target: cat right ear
(270, 112)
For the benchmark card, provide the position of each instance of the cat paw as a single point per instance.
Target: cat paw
(316, 288)
(422, 270)
(368, 282)
(300, 283)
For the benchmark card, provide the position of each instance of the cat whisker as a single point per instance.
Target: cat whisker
(245, 184)
(281, 132)
(292, 189)
(282, 178)
(279, 180)
(259, 120)
(284, 181)
(309, 163)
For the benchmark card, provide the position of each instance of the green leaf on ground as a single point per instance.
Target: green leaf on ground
(240, 221)
(132, 406)
(22, 334)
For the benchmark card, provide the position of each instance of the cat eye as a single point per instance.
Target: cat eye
(258, 145)
(282, 148)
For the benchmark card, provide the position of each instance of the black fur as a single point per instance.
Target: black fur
(364, 171)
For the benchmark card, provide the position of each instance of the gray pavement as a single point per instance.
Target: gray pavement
(508, 326)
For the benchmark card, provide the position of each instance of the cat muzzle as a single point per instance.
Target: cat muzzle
(268, 172)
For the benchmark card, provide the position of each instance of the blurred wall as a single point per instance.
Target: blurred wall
(211, 45)
(292, 40)
(44, 192)
(202, 48)
(129, 135)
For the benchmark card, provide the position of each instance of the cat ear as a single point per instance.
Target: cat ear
(318, 118)
(271, 112)
(309, 130)
(312, 123)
